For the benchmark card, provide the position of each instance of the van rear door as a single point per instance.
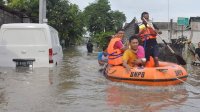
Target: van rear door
(24, 43)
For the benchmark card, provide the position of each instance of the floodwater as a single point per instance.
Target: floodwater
(77, 86)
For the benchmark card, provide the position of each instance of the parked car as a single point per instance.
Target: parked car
(29, 44)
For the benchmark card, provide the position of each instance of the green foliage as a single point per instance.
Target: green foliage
(118, 18)
(29, 7)
(67, 19)
(103, 38)
(97, 16)
(2, 2)
(62, 15)
(101, 20)
(57, 16)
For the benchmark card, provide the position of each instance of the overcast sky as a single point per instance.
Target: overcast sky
(159, 10)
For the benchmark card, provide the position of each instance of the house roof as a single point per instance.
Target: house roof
(162, 25)
(194, 19)
(20, 14)
(128, 24)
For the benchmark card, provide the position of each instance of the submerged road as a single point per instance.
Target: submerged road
(77, 86)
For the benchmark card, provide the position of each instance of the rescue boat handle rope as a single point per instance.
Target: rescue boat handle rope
(188, 84)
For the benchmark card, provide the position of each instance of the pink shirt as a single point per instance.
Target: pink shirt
(140, 52)
(118, 45)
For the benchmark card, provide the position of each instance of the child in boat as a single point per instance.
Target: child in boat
(141, 53)
(103, 56)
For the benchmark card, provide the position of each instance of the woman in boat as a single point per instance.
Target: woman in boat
(116, 48)
(134, 56)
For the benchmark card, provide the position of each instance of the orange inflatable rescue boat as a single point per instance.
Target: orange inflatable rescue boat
(166, 74)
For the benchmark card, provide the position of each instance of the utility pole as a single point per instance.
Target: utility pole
(170, 29)
(42, 11)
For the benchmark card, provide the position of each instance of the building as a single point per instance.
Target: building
(8, 15)
(171, 31)
(174, 34)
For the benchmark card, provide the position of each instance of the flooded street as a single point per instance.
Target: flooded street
(77, 86)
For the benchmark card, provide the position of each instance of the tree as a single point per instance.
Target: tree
(103, 38)
(118, 18)
(97, 16)
(62, 15)
(101, 20)
(2, 2)
(100, 17)
(67, 19)
(29, 7)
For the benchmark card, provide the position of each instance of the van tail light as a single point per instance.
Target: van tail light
(51, 55)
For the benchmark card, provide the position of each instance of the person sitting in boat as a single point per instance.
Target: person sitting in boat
(134, 56)
(197, 53)
(116, 48)
(103, 56)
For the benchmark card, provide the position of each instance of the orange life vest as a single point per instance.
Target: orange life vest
(114, 55)
(146, 32)
(150, 63)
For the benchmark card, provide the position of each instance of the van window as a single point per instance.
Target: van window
(57, 39)
(24, 37)
(54, 38)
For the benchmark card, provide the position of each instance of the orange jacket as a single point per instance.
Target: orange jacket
(114, 55)
(146, 32)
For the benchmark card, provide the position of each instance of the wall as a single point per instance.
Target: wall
(8, 15)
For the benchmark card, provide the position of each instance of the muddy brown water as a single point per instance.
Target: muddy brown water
(77, 86)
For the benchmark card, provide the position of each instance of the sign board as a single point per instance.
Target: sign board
(183, 21)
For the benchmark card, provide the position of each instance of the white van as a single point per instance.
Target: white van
(29, 45)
